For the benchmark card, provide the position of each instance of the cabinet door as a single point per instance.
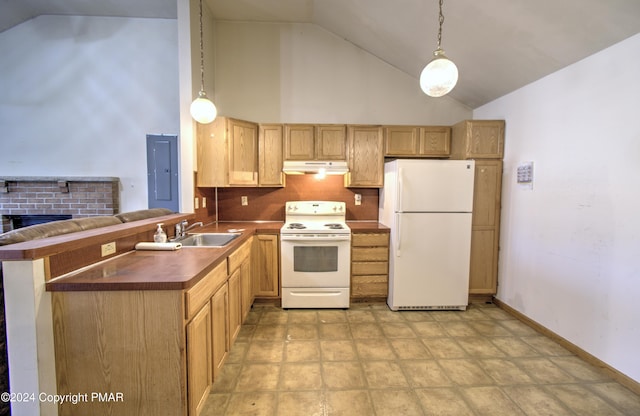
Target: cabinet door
(212, 157)
(243, 153)
(486, 192)
(486, 139)
(401, 140)
(331, 142)
(235, 306)
(483, 274)
(199, 370)
(266, 266)
(246, 287)
(478, 139)
(366, 160)
(299, 142)
(270, 153)
(435, 141)
(220, 328)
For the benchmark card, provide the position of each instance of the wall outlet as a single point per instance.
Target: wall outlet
(358, 199)
(196, 203)
(244, 201)
(107, 249)
(204, 202)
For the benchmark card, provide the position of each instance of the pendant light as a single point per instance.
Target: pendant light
(439, 76)
(202, 109)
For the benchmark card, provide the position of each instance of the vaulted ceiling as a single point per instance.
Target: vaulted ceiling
(498, 45)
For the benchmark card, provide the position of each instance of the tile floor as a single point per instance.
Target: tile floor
(371, 361)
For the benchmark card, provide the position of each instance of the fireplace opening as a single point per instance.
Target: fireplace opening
(20, 221)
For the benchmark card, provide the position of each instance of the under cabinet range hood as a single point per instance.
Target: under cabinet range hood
(328, 167)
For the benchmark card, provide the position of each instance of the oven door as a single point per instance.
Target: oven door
(315, 260)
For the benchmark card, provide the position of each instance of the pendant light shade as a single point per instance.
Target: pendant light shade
(440, 75)
(202, 109)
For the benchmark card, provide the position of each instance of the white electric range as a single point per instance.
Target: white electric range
(315, 250)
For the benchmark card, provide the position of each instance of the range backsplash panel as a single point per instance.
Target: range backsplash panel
(267, 204)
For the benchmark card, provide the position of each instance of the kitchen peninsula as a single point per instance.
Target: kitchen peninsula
(107, 326)
(151, 327)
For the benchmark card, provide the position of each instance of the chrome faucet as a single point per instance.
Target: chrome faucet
(183, 227)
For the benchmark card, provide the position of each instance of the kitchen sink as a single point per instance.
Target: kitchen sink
(208, 239)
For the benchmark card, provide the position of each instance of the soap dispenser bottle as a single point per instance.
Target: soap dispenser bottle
(160, 236)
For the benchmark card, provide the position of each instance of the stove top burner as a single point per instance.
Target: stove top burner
(296, 226)
(334, 226)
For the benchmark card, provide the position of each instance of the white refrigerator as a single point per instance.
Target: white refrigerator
(427, 205)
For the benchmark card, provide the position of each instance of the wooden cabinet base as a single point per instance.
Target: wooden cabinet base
(128, 342)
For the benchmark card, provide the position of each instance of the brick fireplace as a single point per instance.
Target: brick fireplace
(70, 197)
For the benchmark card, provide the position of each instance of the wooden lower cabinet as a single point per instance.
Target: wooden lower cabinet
(266, 266)
(220, 329)
(160, 349)
(235, 306)
(199, 359)
(485, 229)
(129, 342)
(246, 287)
(369, 265)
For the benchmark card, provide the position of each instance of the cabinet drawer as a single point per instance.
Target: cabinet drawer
(237, 257)
(200, 294)
(370, 254)
(369, 267)
(369, 285)
(369, 240)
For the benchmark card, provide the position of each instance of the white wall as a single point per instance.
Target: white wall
(294, 72)
(79, 94)
(570, 247)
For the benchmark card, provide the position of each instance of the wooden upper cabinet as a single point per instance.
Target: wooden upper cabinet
(314, 142)
(401, 141)
(227, 153)
(366, 158)
(299, 142)
(270, 152)
(478, 139)
(243, 153)
(435, 141)
(416, 141)
(212, 159)
(330, 142)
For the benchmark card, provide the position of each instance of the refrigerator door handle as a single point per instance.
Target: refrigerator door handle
(398, 234)
(399, 189)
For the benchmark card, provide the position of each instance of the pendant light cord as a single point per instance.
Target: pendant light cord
(202, 52)
(440, 20)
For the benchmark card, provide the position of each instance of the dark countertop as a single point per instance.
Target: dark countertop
(367, 227)
(171, 270)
